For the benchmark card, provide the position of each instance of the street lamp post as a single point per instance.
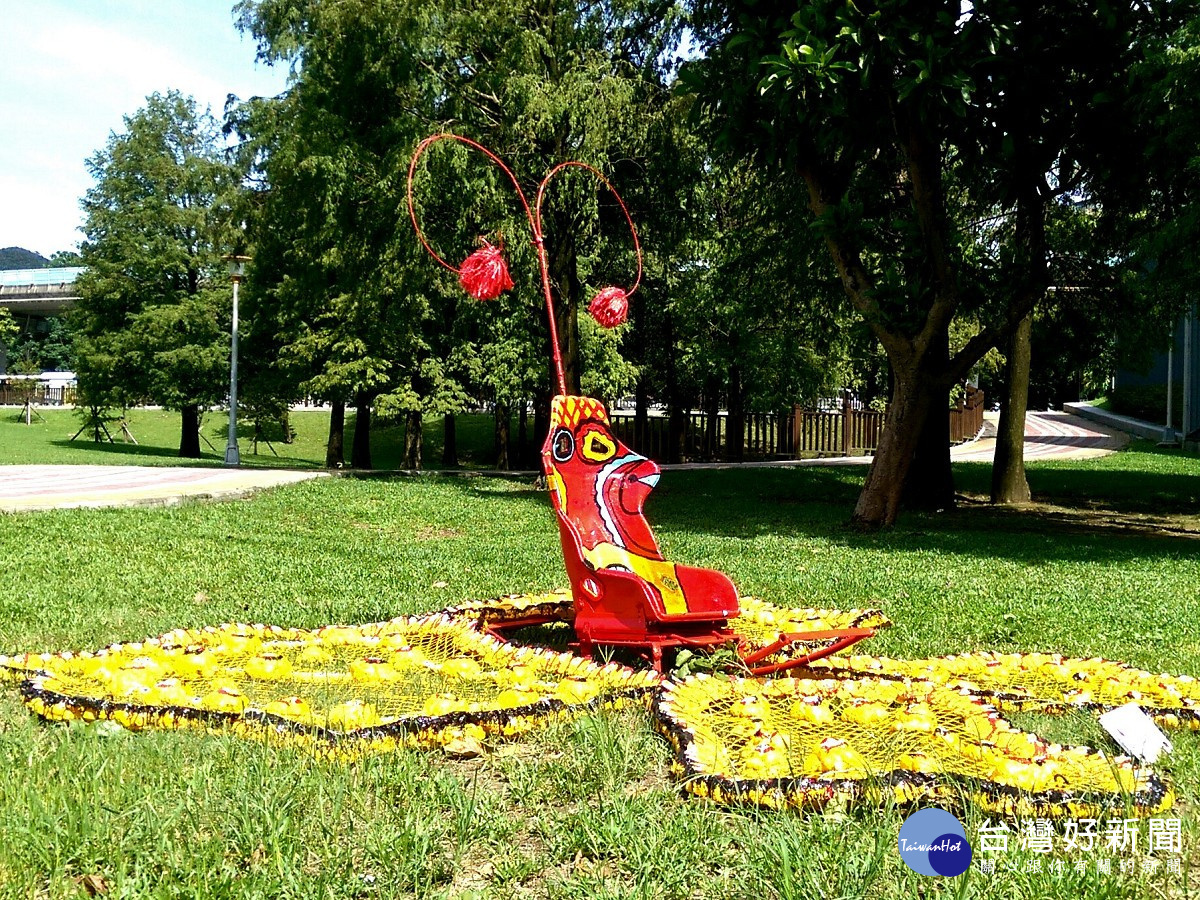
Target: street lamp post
(237, 270)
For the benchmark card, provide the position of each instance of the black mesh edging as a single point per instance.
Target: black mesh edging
(399, 730)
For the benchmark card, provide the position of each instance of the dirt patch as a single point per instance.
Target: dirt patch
(1037, 516)
(436, 533)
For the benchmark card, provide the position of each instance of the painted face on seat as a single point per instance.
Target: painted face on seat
(599, 483)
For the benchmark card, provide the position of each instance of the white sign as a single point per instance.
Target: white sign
(1136, 732)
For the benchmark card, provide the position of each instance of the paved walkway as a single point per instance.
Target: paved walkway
(1048, 435)
(63, 487)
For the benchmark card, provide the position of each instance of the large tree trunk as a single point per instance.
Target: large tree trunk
(929, 484)
(879, 502)
(449, 441)
(1009, 484)
(712, 419)
(564, 275)
(735, 435)
(360, 449)
(541, 423)
(189, 432)
(335, 445)
(503, 418)
(414, 439)
(641, 418)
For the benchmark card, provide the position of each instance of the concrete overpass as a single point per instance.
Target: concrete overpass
(38, 292)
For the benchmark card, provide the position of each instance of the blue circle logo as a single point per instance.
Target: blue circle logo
(933, 842)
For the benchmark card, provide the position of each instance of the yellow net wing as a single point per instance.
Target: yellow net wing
(552, 606)
(1047, 682)
(341, 689)
(793, 742)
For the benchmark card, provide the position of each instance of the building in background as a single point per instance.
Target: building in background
(1180, 368)
(33, 295)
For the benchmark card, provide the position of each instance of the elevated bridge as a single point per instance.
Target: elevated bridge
(38, 292)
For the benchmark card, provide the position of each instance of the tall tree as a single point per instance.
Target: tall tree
(539, 82)
(908, 122)
(153, 312)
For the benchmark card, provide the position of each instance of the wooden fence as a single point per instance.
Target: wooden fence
(801, 433)
(16, 393)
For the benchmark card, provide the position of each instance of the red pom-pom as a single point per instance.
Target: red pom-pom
(484, 274)
(610, 307)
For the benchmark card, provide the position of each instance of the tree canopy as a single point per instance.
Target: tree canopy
(152, 321)
(933, 157)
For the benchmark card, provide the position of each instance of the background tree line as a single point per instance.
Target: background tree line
(829, 195)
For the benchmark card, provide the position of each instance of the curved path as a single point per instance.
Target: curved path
(1048, 435)
(64, 487)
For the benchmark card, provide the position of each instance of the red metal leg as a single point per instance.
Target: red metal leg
(840, 638)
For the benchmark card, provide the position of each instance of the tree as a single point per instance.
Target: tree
(152, 321)
(340, 294)
(909, 124)
(9, 328)
(539, 83)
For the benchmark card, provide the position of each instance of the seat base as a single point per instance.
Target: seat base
(653, 646)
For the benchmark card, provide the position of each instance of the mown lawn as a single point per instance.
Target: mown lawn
(1107, 564)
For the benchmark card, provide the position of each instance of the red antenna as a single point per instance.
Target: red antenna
(609, 306)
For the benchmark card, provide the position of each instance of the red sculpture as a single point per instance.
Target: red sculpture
(625, 593)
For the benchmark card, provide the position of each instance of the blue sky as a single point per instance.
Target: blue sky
(70, 70)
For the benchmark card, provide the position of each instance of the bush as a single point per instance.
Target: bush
(1148, 402)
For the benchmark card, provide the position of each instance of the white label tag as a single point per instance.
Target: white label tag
(1136, 732)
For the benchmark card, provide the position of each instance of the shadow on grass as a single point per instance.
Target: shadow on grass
(810, 502)
(132, 451)
(1093, 512)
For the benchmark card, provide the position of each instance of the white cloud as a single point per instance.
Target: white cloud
(71, 71)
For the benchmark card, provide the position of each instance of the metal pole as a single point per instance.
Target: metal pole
(232, 457)
(1188, 412)
(1169, 432)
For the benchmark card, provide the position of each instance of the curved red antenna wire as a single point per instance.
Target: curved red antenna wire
(537, 210)
(534, 216)
(538, 243)
(412, 168)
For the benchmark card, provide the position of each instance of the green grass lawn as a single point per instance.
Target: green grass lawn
(1107, 564)
(47, 440)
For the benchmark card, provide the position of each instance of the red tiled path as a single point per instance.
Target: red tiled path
(59, 487)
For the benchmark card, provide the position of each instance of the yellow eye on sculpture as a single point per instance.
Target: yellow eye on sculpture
(598, 447)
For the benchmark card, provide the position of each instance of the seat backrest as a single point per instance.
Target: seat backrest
(597, 483)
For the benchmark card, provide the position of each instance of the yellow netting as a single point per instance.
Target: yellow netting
(858, 728)
(553, 606)
(804, 742)
(340, 689)
(1047, 682)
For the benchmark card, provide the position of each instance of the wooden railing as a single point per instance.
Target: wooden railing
(16, 393)
(801, 433)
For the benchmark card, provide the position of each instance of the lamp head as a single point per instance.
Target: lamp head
(237, 265)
